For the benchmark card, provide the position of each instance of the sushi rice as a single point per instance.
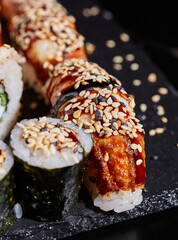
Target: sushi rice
(37, 158)
(50, 162)
(8, 163)
(11, 82)
(118, 201)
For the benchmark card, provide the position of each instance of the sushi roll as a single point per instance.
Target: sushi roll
(0, 32)
(11, 87)
(50, 161)
(12, 8)
(6, 187)
(46, 35)
(96, 101)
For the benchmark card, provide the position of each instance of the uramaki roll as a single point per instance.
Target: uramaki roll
(50, 163)
(11, 87)
(46, 35)
(115, 173)
(12, 8)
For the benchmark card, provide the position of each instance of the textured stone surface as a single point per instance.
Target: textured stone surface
(162, 171)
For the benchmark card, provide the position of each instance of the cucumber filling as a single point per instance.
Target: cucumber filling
(3, 100)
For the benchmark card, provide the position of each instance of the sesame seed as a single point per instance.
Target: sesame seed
(110, 43)
(163, 91)
(77, 85)
(117, 66)
(75, 105)
(91, 96)
(137, 82)
(152, 132)
(68, 107)
(114, 90)
(88, 131)
(103, 104)
(160, 110)
(106, 157)
(115, 104)
(86, 94)
(117, 59)
(82, 93)
(86, 12)
(139, 161)
(152, 77)
(65, 117)
(134, 66)
(159, 130)
(94, 11)
(129, 57)
(108, 115)
(143, 107)
(155, 98)
(139, 148)
(134, 146)
(109, 101)
(124, 37)
(164, 119)
(122, 132)
(90, 48)
(132, 103)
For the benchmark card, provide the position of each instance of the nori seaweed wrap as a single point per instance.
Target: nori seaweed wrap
(7, 200)
(50, 164)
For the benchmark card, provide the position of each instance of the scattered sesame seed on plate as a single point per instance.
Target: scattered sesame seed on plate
(129, 57)
(90, 48)
(152, 77)
(117, 59)
(160, 110)
(134, 66)
(152, 132)
(124, 37)
(143, 107)
(163, 91)
(136, 82)
(94, 11)
(159, 130)
(86, 12)
(117, 66)
(164, 119)
(155, 98)
(110, 43)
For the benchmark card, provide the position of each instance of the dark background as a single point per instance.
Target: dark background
(156, 29)
(153, 26)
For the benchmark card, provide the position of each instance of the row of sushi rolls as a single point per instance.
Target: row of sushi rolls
(92, 136)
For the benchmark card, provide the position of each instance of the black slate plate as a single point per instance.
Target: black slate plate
(161, 189)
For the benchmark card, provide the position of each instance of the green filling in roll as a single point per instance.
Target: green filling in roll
(3, 100)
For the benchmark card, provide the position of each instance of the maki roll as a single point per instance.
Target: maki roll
(11, 87)
(46, 35)
(50, 160)
(6, 187)
(12, 8)
(96, 101)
